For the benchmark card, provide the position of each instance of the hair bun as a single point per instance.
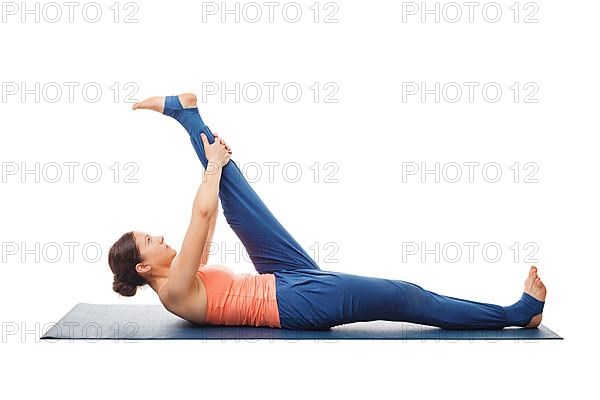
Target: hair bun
(123, 288)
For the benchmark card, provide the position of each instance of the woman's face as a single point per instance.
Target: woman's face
(153, 249)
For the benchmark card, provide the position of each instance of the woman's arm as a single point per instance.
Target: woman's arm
(185, 266)
(211, 231)
(214, 156)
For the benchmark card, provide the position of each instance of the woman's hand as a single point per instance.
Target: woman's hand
(217, 152)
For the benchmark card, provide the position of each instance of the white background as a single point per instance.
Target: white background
(368, 213)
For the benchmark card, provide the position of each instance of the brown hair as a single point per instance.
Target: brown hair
(122, 259)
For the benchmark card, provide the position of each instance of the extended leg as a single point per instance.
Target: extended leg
(321, 299)
(269, 245)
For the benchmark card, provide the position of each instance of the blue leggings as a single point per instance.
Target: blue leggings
(310, 298)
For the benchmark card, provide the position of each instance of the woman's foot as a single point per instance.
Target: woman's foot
(535, 287)
(157, 103)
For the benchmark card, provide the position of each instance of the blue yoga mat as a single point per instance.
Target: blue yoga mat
(145, 322)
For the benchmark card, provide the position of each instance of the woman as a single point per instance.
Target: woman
(290, 290)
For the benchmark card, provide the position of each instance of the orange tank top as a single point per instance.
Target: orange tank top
(239, 299)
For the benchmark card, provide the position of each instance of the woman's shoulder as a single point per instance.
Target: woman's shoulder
(163, 291)
(192, 307)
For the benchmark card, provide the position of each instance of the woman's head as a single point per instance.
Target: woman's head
(136, 259)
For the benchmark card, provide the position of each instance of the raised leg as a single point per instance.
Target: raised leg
(269, 245)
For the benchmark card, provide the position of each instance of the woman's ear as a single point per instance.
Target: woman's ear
(141, 268)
